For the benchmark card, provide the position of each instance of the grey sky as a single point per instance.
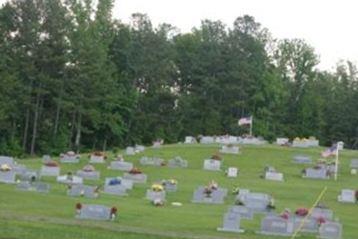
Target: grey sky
(328, 25)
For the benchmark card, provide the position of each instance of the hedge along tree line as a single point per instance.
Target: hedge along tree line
(72, 77)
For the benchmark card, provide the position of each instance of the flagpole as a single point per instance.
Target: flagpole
(336, 164)
(251, 126)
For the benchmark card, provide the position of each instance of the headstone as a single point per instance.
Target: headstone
(7, 176)
(97, 158)
(207, 140)
(7, 160)
(189, 140)
(277, 226)
(121, 165)
(300, 143)
(41, 187)
(46, 158)
(347, 196)
(136, 178)
(340, 145)
(330, 230)
(282, 141)
(274, 176)
(152, 195)
(302, 159)
(19, 169)
(69, 179)
(319, 173)
(177, 162)
(94, 212)
(310, 224)
(231, 223)
(354, 163)
(50, 171)
(83, 190)
(157, 144)
(257, 202)
(152, 161)
(170, 186)
(130, 151)
(252, 141)
(115, 181)
(139, 148)
(325, 213)
(312, 142)
(117, 186)
(69, 158)
(212, 164)
(229, 149)
(216, 197)
(244, 212)
(29, 175)
(90, 175)
(35, 186)
(232, 172)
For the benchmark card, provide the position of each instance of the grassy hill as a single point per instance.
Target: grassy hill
(33, 215)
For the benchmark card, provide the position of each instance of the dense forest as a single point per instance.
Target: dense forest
(72, 77)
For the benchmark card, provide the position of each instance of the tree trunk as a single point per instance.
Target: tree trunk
(56, 120)
(71, 131)
(34, 130)
(78, 133)
(27, 122)
(104, 145)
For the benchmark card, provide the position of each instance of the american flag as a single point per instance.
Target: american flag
(245, 120)
(330, 151)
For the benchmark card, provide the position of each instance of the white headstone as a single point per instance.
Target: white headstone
(232, 172)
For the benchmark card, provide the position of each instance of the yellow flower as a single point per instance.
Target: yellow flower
(5, 167)
(157, 187)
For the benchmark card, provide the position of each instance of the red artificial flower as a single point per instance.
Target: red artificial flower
(78, 206)
(301, 212)
(321, 220)
(114, 210)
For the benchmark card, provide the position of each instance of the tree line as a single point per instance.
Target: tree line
(72, 77)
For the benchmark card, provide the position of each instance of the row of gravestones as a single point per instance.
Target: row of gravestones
(272, 224)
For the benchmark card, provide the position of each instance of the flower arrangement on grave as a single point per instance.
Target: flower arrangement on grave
(286, 214)
(157, 187)
(135, 171)
(99, 154)
(113, 213)
(120, 158)
(114, 181)
(169, 182)
(356, 194)
(88, 168)
(69, 176)
(5, 168)
(216, 157)
(78, 207)
(212, 186)
(51, 163)
(158, 202)
(235, 190)
(163, 163)
(230, 145)
(321, 220)
(302, 212)
(312, 138)
(271, 204)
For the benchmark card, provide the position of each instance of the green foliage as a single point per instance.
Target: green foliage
(77, 79)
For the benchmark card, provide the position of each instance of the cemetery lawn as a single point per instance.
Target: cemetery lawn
(34, 215)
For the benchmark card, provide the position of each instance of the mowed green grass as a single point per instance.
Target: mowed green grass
(35, 215)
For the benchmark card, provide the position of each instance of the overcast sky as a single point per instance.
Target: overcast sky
(330, 26)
